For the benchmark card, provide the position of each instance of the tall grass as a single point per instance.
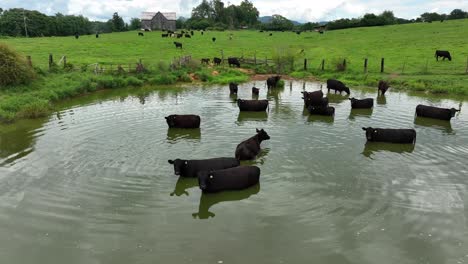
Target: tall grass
(14, 69)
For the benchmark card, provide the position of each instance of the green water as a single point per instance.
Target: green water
(91, 183)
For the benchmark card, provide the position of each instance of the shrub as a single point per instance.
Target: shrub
(133, 81)
(164, 79)
(14, 69)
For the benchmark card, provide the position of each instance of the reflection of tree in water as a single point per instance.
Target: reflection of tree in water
(183, 184)
(443, 125)
(207, 200)
(360, 113)
(373, 147)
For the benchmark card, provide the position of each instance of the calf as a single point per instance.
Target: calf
(320, 31)
(205, 61)
(233, 88)
(178, 45)
(321, 110)
(183, 121)
(252, 105)
(191, 32)
(383, 87)
(273, 81)
(362, 104)
(97, 35)
(237, 178)
(188, 36)
(402, 136)
(190, 168)
(217, 61)
(337, 86)
(271, 34)
(77, 36)
(249, 148)
(255, 91)
(444, 54)
(213, 39)
(234, 61)
(141, 34)
(435, 112)
(164, 35)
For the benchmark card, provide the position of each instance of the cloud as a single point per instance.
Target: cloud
(302, 10)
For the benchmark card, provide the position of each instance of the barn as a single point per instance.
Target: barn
(158, 21)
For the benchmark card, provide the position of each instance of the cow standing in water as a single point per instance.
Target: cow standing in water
(401, 136)
(272, 82)
(190, 168)
(236, 178)
(337, 86)
(183, 121)
(249, 149)
(436, 112)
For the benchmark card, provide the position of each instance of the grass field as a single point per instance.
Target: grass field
(408, 51)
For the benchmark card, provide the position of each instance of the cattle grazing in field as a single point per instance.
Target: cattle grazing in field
(362, 104)
(252, 105)
(205, 61)
(321, 110)
(298, 32)
(444, 54)
(236, 178)
(190, 168)
(213, 39)
(271, 34)
(202, 33)
(183, 121)
(179, 35)
(178, 45)
(255, 90)
(140, 34)
(191, 32)
(217, 61)
(77, 36)
(272, 82)
(233, 88)
(337, 86)
(249, 148)
(97, 35)
(401, 136)
(146, 29)
(261, 31)
(170, 32)
(233, 61)
(436, 112)
(164, 35)
(188, 36)
(383, 87)
(320, 31)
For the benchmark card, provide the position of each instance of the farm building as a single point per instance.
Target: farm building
(158, 21)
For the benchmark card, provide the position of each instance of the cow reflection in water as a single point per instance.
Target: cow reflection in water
(381, 100)
(183, 184)
(174, 134)
(442, 125)
(207, 200)
(360, 113)
(371, 148)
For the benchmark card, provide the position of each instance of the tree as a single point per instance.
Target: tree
(308, 26)
(180, 22)
(135, 23)
(429, 17)
(248, 13)
(278, 23)
(388, 17)
(458, 14)
(117, 23)
(203, 10)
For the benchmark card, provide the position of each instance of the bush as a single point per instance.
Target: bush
(14, 69)
(339, 64)
(164, 79)
(133, 81)
(284, 60)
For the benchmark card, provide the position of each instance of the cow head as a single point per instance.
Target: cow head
(179, 166)
(277, 78)
(346, 89)
(171, 120)
(262, 135)
(453, 111)
(352, 100)
(370, 132)
(205, 179)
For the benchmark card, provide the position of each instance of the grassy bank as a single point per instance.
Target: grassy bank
(38, 99)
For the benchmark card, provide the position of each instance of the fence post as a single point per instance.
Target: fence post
(382, 65)
(51, 61)
(323, 65)
(28, 58)
(64, 62)
(466, 71)
(222, 57)
(404, 65)
(365, 65)
(344, 65)
(305, 64)
(255, 57)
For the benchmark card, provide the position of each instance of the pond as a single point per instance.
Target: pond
(91, 183)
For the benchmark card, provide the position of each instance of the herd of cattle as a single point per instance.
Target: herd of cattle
(220, 174)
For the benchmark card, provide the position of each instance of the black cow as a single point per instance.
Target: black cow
(436, 112)
(444, 54)
(202, 33)
(383, 87)
(190, 168)
(321, 31)
(321, 110)
(179, 35)
(298, 32)
(77, 36)
(213, 39)
(249, 148)
(261, 31)
(140, 34)
(170, 32)
(337, 86)
(178, 44)
(205, 61)
(402, 136)
(183, 121)
(217, 61)
(362, 104)
(146, 29)
(273, 81)
(234, 61)
(252, 105)
(191, 32)
(317, 102)
(233, 88)
(183, 32)
(188, 36)
(97, 35)
(237, 178)
(255, 90)
(164, 35)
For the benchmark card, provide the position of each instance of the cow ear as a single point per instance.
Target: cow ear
(257, 130)
(364, 129)
(166, 117)
(170, 161)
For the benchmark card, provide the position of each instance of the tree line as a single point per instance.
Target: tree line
(19, 22)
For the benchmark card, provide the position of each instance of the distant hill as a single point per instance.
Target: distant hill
(267, 19)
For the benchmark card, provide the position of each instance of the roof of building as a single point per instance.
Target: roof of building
(150, 15)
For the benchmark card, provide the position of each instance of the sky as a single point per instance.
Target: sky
(299, 10)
